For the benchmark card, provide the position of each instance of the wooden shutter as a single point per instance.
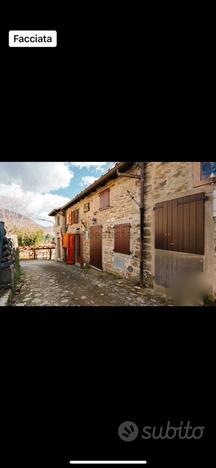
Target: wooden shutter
(179, 224)
(105, 199)
(76, 216)
(122, 239)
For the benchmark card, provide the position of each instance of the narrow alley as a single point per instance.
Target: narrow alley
(49, 283)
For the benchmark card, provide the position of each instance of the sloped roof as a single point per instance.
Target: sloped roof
(111, 173)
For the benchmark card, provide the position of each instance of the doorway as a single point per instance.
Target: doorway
(96, 246)
(179, 238)
(58, 249)
(71, 249)
(79, 249)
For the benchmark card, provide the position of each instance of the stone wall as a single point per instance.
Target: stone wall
(59, 229)
(163, 181)
(123, 209)
(167, 181)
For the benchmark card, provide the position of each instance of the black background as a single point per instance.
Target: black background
(70, 378)
(122, 84)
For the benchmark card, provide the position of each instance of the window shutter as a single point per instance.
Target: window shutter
(105, 199)
(122, 239)
(76, 216)
(179, 224)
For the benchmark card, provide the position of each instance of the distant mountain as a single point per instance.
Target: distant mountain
(15, 220)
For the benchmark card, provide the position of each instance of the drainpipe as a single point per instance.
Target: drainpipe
(141, 177)
(142, 222)
(1, 239)
(213, 179)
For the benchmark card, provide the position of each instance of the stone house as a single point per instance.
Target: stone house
(101, 225)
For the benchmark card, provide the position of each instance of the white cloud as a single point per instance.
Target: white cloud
(88, 180)
(25, 186)
(98, 165)
(31, 204)
(36, 176)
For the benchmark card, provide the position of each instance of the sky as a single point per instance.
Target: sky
(36, 188)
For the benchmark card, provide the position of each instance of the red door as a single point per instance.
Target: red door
(71, 249)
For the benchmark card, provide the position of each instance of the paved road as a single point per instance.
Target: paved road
(49, 283)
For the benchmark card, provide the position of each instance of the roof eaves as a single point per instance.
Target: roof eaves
(103, 179)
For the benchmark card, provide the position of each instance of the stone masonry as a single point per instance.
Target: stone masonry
(169, 180)
(123, 209)
(164, 181)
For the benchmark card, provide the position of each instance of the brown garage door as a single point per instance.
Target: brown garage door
(96, 246)
(179, 224)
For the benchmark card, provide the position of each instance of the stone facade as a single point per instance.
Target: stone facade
(59, 230)
(171, 180)
(164, 181)
(123, 209)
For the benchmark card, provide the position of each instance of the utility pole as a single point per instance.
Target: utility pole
(142, 167)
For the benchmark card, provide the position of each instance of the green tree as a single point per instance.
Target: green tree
(29, 238)
(39, 237)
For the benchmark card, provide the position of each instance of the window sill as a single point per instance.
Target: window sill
(199, 183)
(121, 253)
(104, 209)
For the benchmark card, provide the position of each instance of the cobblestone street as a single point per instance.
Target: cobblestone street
(49, 283)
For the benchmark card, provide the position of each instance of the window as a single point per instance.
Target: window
(179, 224)
(76, 216)
(202, 172)
(70, 216)
(58, 221)
(105, 199)
(86, 207)
(122, 238)
(207, 168)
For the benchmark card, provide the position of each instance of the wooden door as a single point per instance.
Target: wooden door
(179, 224)
(80, 249)
(96, 246)
(179, 227)
(71, 249)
